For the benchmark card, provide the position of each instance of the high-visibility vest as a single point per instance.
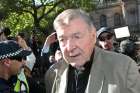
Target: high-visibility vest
(21, 84)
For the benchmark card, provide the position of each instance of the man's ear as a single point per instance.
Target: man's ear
(7, 62)
(93, 31)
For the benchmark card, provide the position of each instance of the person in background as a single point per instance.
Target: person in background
(35, 45)
(86, 68)
(58, 55)
(11, 64)
(31, 59)
(4, 33)
(137, 52)
(127, 47)
(29, 64)
(46, 55)
(49, 40)
(106, 39)
(52, 59)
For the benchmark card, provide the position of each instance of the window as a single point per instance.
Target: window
(117, 19)
(103, 21)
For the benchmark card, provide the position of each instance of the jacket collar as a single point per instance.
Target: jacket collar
(96, 76)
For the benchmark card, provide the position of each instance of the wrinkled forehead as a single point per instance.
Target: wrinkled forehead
(74, 28)
(65, 22)
(66, 17)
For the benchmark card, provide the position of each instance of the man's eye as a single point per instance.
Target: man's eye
(61, 39)
(78, 37)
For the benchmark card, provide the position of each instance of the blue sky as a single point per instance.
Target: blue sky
(37, 2)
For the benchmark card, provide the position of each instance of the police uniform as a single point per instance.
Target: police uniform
(4, 86)
(17, 83)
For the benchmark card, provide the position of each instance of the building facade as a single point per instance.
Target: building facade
(118, 13)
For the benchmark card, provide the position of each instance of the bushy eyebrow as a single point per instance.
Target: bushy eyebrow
(61, 36)
(74, 34)
(77, 33)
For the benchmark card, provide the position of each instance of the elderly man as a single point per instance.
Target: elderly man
(11, 64)
(87, 68)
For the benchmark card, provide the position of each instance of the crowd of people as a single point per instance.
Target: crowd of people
(129, 46)
(84, 60)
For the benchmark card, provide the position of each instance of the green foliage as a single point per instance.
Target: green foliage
(27, 15)
(18, 22)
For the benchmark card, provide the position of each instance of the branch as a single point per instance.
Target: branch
(57, 3)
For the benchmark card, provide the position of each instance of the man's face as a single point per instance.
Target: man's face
(106, 41)
(16, 66)
(76, 42)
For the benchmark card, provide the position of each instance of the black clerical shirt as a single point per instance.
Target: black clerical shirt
(78, 79)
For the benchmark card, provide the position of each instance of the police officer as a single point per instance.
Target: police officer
(11, 64)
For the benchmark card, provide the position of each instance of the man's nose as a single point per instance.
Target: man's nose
(71, 45)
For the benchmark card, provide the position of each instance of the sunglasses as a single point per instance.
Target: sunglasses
(16, 58)
(107, 37)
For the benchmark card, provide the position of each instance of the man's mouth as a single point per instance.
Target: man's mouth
(75, 55)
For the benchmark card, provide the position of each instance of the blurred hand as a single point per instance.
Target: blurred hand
(51, 39)
(22, 42)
